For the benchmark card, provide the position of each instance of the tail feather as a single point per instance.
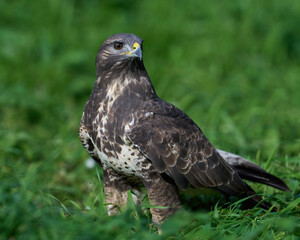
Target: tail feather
(261, 176)
(251, 171)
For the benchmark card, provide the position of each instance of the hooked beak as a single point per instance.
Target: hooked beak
(137, 51)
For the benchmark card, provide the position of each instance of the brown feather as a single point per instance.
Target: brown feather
(133, 133)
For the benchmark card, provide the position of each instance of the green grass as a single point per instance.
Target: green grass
(232, 66)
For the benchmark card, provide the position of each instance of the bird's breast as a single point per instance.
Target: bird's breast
(127, 160)
(113, 148)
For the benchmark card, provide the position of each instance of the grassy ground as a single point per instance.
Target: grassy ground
(233, 66)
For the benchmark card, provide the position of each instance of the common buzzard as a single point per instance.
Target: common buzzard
(138, 138)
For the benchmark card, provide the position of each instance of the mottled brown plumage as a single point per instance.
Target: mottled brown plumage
(139, 138)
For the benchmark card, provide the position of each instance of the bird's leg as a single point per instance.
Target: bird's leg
(116, 188)
(162, 194)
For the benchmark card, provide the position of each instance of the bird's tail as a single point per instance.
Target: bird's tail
(251, 171)
(262, 177)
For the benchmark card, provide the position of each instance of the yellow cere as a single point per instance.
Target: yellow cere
(135, 45)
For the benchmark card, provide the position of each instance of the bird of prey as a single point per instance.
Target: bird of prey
(140, 139)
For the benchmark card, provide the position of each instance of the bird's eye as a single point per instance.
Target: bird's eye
(118, 45)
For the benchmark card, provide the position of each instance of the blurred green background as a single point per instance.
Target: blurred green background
(232, 66)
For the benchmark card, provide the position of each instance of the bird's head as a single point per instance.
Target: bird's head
(119, 50)
(119, 61)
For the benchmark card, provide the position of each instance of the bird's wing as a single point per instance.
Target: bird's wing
(176, 145)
